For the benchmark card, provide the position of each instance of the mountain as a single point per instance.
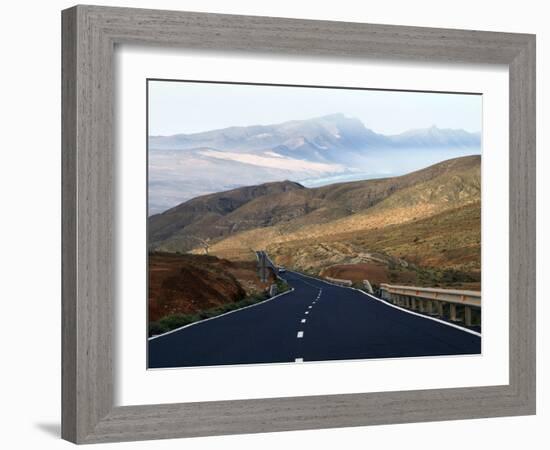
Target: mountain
(321, 134)
(442, 249)
(210, 216)
(184, 166)
(436, 137)
(313, 139)
(236, 221)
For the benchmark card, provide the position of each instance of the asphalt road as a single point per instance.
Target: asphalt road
(315, 322)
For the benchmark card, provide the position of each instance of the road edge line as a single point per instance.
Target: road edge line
(435, 319)
(414, 313)
(221, 315)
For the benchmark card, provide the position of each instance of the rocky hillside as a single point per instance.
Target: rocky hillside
(437, 250)
(187, 284)
(284, 210)
(213, 216)
(421, 228)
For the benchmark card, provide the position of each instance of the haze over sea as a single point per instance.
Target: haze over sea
(313, 152)
(207, 137)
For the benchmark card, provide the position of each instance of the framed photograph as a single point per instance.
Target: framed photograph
(278, 224)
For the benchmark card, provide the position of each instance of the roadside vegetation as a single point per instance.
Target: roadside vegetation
(282, 286)
(173, 321)
(186, 288)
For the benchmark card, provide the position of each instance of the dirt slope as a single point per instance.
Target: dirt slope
(291, 207)
(187, 284)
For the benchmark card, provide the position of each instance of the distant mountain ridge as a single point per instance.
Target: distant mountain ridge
(184, 166)
(439, 137)
(313, 139)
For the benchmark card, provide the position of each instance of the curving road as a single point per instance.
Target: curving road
(315, 322)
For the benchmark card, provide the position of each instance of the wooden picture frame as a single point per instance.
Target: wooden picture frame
(90, 34)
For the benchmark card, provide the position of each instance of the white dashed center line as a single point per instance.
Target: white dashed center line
(307, 312)
(309, 307)
(303, 320)
(300, 334)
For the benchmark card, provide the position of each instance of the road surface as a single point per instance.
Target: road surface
(315, 322)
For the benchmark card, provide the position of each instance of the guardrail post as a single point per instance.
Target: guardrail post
(452, 312)
(429, 306)
(467, 316)
(445, 303)
(421, 305)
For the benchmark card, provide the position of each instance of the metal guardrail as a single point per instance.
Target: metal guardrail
(472, 298)
(270, 263)
(264, 262)
(338, 281)
(457, 305)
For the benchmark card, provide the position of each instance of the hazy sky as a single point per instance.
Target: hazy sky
(184, 107)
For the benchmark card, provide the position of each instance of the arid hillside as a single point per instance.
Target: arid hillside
(289, 207)
(420, 228)
(188, 284)
(439, 250)
(210, 217)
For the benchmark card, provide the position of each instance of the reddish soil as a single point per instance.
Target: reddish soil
(375, 273)
(189, 284)
(379, 273)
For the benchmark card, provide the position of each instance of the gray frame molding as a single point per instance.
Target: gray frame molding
(89, 36)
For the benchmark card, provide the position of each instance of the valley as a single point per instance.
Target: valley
(422, 228)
